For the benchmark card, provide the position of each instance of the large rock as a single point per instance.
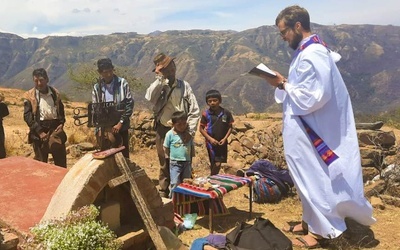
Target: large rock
(377, 138)
(370, 126)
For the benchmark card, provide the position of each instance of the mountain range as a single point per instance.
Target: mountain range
(207, 59)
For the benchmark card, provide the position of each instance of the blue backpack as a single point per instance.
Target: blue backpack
(271, 182)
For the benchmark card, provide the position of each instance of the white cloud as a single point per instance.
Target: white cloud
(84, 17)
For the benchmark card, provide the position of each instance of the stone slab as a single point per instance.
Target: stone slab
(27, 187)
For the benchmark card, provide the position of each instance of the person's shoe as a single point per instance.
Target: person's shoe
(306, 241)
(296, 229)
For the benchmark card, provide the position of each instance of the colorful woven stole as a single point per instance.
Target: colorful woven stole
(326, 154)
(313, 39)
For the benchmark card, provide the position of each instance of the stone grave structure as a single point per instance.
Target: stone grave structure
(33, 191)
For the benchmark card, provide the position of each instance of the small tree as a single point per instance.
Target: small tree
(85, 75)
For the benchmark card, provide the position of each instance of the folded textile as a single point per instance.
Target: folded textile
(216, 240)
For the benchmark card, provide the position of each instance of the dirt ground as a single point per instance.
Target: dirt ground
(386, 230)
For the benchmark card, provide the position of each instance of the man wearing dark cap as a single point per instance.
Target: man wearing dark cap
(112, 88)
(168, 95)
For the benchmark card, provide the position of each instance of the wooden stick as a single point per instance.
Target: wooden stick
(140, 203)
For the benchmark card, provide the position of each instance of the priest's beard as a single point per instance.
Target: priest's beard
(296, 40)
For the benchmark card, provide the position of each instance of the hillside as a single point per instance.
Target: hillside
(213, 59)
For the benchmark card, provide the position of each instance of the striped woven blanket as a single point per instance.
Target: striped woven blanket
(192, 199)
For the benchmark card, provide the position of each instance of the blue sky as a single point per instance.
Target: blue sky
(40, 18)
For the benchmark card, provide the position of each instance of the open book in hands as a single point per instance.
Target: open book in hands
(262, 70)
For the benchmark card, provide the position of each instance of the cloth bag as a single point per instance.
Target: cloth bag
(266, 191)
(262, 235)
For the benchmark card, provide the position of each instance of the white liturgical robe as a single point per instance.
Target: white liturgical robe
(316, 91)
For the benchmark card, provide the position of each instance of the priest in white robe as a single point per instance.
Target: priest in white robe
(328, 178)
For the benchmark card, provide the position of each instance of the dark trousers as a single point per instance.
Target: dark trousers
(42, 148)
(164, 178)
(42, 151)
(110, 140)
(2, 141)
(125, 142)
(217, 155)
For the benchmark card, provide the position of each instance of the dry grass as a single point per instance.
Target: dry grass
(16, 130)
(79, 134)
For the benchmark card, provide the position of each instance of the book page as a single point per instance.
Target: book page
(262, 70)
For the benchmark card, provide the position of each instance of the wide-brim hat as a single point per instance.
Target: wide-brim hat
(162, 60)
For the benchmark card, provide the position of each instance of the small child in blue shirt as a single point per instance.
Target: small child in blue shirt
(178, 144)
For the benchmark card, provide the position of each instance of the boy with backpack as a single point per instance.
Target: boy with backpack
(216, 126)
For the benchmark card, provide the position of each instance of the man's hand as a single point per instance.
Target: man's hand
(117, 127)
(60, 127)
(44, 136)
(274, 81)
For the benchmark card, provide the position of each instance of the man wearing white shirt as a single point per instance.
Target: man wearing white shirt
(115, 90)
(45, 117)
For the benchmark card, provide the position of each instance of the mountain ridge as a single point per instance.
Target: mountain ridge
(214, 59)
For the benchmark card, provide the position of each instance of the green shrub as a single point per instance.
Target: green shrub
(79, 231)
